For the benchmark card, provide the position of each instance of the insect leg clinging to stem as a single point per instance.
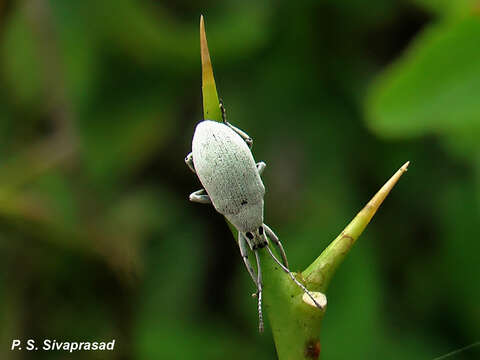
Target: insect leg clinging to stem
(242, 244)
(199, 196)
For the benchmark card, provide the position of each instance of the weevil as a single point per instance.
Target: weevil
(221, 157)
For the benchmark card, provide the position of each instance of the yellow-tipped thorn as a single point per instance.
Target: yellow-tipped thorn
(377, 200)
(319, 273)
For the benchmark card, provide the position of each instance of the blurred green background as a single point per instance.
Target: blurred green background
(98, 103)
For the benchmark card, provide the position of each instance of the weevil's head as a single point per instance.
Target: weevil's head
(257, 237)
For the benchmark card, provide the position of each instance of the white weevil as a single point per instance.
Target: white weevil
(224, 164)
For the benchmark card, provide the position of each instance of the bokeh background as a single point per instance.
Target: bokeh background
(98, 103)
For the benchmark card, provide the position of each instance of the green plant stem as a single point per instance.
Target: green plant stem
(295, 324)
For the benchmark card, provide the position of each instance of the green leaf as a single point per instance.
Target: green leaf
(434, 87)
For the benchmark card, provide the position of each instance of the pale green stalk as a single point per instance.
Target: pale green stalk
(295, 324)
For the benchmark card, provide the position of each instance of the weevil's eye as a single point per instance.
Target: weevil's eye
(260, 230)
(249, 235)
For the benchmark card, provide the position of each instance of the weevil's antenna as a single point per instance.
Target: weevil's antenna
(260, 290)
(294, 279)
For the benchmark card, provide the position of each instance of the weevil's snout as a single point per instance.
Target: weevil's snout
(257, 238)
(262, 237)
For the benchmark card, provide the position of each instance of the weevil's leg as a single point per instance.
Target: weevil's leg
(200, 196)
(294, 279)
(259, 292)
(242, 244)
(261, 166)
(271, 235)
(242, 134)
(189, 162)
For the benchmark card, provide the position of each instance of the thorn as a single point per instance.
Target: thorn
(322, 269)
(205, 54)
(377, 200)
(211, 110)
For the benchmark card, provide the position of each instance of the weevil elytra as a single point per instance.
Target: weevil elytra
(222, 160)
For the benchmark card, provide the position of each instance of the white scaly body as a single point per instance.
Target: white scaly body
(226, 168)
